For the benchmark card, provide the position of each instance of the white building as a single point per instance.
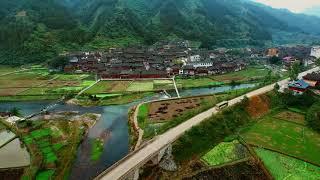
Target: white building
(194, 58)
(205, 64)
(315, 52)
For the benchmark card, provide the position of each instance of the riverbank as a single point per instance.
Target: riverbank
(53, 143)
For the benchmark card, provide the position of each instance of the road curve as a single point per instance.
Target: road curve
(140, 157)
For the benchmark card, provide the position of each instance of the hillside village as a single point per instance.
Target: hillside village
(167, 59)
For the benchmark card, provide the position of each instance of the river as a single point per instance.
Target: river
(114, 122)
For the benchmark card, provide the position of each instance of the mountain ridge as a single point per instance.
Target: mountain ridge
(37, 30)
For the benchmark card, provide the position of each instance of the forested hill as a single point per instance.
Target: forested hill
(37, 30)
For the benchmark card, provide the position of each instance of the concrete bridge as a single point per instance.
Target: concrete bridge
(154, 150)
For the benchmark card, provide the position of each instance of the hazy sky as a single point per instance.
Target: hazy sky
(293, 5)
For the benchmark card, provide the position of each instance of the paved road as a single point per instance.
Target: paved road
(139, 158)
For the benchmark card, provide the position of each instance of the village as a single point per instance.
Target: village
(178, 58)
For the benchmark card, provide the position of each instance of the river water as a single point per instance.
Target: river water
(113, 128)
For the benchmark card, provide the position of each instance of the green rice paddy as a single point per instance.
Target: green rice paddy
(286, 137)
(284, 167)
(223, 153)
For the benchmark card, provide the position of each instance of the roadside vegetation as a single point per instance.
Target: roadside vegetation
(273, 127)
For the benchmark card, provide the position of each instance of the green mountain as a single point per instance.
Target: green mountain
(37, 30)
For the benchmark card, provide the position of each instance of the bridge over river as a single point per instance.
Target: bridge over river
(154, 150)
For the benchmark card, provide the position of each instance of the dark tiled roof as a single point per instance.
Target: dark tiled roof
(312, 77)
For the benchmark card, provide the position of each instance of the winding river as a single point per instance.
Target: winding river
(113, 127)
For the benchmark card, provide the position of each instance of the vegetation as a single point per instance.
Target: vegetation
(282, 167)
(15, 111)
(52, 145)
(313, 117)
(38, 31)
(225, 152)
(294, 71)
(97, 149)
(202, 138)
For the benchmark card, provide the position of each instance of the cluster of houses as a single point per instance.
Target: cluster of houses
(167, 59)
(161, 60)
(296, 54)
(309, 81)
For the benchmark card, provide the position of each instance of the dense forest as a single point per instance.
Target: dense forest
(37, 30)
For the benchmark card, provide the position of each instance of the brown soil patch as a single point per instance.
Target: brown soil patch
(291, 116)
(168, 110)
(11, 91)
(11, 174)
(258, 106)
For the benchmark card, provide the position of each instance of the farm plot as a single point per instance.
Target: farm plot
(104, 87)
(163, 84)
(168, 110)
(285, 167)
(291, 116)
(285, 137)
(224, 153)
(7, 69)
(244, 75)
(140, 86)
(11, 91)
(200, 82)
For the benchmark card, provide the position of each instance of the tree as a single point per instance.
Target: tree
(294, 71)
(276, 87)
(318, 62)
(274, 60)
(58, 62)
(313, 117)
(15, 111)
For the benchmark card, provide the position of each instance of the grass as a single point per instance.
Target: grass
(100, 88)
(285, 167)
(244, 75)
(223, 153)
(143, 115)
(140, 86)
(286, 137)
(97, 149)
(197, 82)
(45, 175)
(7, 69)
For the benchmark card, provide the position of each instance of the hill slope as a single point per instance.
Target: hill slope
(37, 30)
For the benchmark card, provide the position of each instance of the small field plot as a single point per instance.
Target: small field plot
(285, 137)
(224, 153)
(291, 116)
(11, 91)
(244, 75)
(168, 110)
(140, 86)
(104, 87)
(163, 84)
(7, 69)
(200, 82)
(100, 88)
(285, 167)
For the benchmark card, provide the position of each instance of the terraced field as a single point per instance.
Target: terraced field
(286, 137)
(36, 84)
(224, 153)
(285, 167)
